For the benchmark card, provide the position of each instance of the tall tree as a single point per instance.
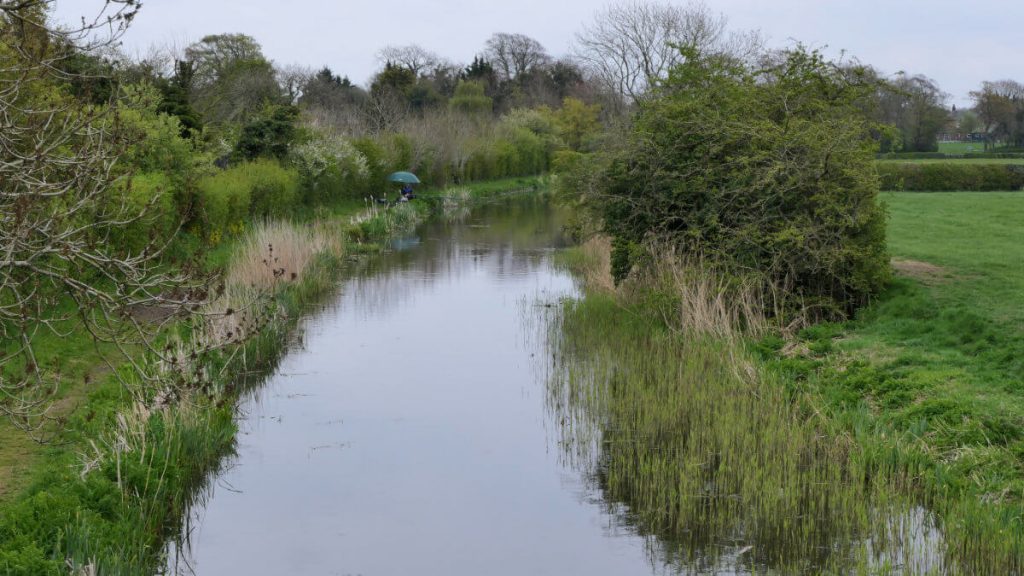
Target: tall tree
(233, 80)
(325, 89)
(414, 57)
(631, 46)
(1000, 107)
(514, 55)
(915, 106)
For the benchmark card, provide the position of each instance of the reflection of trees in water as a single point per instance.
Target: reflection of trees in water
(503, 239)
(510, 239)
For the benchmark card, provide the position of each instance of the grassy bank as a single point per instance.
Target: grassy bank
(813, 453)
(967, 161)
(116, 479)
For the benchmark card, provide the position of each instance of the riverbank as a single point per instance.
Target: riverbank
(816, 451)
(115, 480)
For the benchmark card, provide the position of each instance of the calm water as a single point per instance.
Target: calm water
(409, 434)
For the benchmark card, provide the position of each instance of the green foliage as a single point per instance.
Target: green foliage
(577, 122)
(230, 79)
(470, 99)
(950, 176)
(252, 190)
(566, 161)
(175, 101)
(331, 168)
(155, 141)
(393, 80)
(274, 189)
(151, 195)
(767, 169)
(269, 135)
(376, 162)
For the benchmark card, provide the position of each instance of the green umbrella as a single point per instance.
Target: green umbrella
(404, 178)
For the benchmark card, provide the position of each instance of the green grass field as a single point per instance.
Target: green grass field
(961, 147)
(953, 161)
(938, 359)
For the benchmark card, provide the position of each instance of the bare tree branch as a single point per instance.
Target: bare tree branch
(63, 197)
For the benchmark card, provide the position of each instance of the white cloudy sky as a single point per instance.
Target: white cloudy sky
(959, 43)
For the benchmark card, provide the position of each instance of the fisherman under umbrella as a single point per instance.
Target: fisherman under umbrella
(406, 179)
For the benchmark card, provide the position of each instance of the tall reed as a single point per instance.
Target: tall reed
(729, 466)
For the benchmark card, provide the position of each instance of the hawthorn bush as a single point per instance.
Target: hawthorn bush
(764, 170)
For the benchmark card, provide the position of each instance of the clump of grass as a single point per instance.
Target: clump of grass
(693, 297)
(701, 299)
(277, 251)
(455, 203)
(591, 263)
(376, 223)
(712, 455)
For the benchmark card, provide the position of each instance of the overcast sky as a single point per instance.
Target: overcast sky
(959, 43)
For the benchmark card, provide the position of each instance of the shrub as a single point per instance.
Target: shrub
(274, 190)
(150, 195)
(768, 170)
(255, 189)
(470, 99)
(375, 162)
(531, 155)
(330, 168)
(950, 176)
(566, 161)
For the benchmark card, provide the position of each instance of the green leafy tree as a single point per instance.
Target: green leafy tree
(175, 101)
(577, 122)
(766, 170)
(470, 98)
(1000, 108)
(327, 90)
(232, 79)
(271, 134)
(392, 80)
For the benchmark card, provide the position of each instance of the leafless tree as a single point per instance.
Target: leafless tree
(382, 112)
(413, 57)
(61, 202)
(515, 54)
(630, 46)
(292, 78)
(444, 137)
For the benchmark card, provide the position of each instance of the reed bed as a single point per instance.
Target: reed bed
(378, 222)
(278, 251)
(728, 466)
(455, 203)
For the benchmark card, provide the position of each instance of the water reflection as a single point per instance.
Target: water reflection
(407, 435)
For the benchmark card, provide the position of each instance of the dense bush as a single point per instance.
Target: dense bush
(150, 195)
(767, 171)
(950, 176)
(251, 190)
(331, 168)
